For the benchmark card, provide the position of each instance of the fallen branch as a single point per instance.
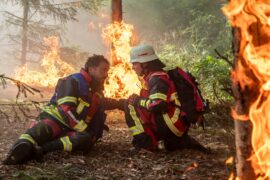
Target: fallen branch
(18, 109)
(23, 88)
(5, 115)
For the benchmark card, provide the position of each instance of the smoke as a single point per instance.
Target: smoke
(151, 19)
(77, 35)
(86, 32)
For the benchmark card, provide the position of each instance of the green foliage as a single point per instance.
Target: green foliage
(191, 21)
(214, 77)
(173, 56)
(166, 15)
(212, 73)
(185, 33)
(92, 6)
(210, 30)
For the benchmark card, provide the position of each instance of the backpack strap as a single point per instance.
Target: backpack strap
(186, 76)
(159, 73)
(165, 76)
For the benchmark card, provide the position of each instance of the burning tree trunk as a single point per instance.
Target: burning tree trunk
(122, 80)
(243, 129)
(251, 85)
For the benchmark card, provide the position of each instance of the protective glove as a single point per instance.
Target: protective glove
(134, 100)
(110, 104)
(122, 104)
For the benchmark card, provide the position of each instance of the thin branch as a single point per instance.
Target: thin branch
(24, 111)
(5, 115)
(26, 103)
(36, 10)
(216, 95)
(61, 4)
(13, 15)
(224, 58)
(16, 116)
(20, 108)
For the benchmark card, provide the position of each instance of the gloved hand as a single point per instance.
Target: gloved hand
(110, 104)
(122, 104)
(134, 99)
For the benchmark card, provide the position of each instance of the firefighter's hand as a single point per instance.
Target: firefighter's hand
(122, 104)
(110, 103)
(134, 99)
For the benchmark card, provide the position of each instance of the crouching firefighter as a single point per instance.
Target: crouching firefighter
(74, 118)
(154, 117)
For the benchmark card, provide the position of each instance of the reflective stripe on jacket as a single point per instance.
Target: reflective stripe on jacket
(74, 102)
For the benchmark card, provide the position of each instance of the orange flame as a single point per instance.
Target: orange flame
(253, 71)
(231, 177)
(52, 65)
(122, 79)
(229, 160)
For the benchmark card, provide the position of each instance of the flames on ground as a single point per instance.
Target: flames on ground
(122, 80)
(52, 68)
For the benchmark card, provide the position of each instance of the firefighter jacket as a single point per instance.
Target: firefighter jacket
(159, 101)
(76, 100)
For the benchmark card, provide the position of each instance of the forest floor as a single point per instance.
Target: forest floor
(113, 158)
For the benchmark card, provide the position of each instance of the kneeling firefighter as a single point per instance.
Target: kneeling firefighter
(73, 119)
(154, 117)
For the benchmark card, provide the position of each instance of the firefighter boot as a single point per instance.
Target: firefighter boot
(51, 146)
(38, 153)
(19, 153)
(191, 143)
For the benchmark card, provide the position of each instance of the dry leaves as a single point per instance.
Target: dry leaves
(113, 158)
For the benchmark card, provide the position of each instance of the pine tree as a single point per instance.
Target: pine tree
(41, 18)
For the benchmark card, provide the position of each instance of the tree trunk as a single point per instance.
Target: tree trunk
(243, 129)
(24, 32)
(116, 11)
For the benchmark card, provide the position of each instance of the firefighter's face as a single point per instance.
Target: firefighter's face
(137, 67)
(100, 72)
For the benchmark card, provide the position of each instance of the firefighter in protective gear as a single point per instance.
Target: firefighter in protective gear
(73, 119)
(154, 116)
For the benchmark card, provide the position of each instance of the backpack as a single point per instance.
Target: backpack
(189, 95)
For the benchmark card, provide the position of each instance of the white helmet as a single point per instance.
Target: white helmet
(142, 53)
